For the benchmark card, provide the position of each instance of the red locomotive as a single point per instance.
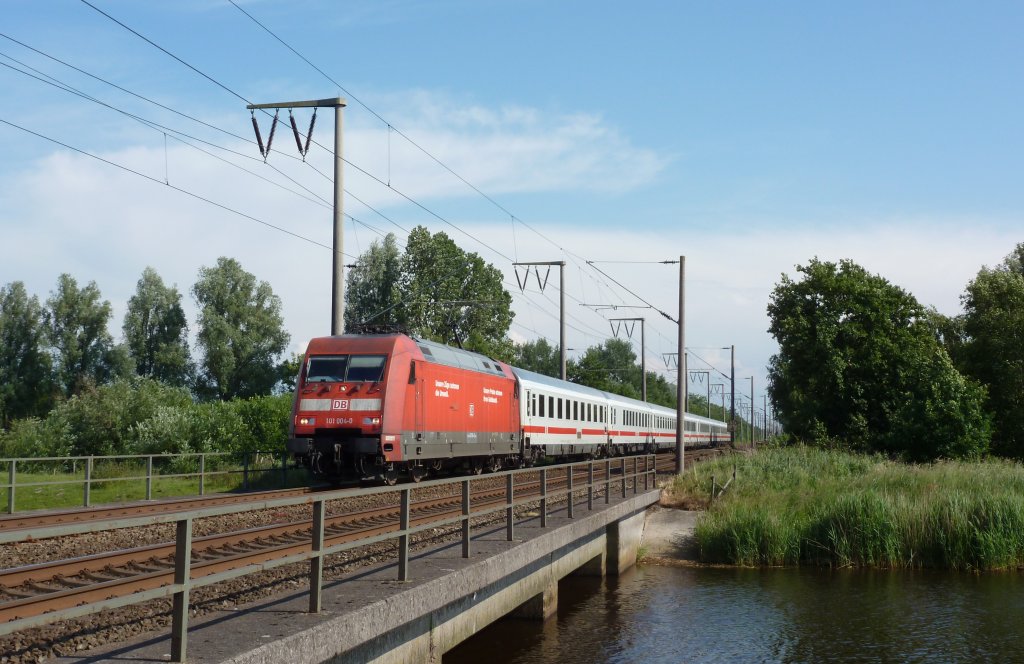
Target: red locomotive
(383, 405)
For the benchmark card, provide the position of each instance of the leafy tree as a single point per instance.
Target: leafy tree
(77, 329)
(538, 356)
(372, 293)
(610, 366)
(859, 366)
(663, 393)
(288, 374)
(992, 348)
(454, 297)
(434, 290)
(240, 332)
(25, 366)
(156, 332)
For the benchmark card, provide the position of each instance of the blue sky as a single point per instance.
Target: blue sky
(747, 136)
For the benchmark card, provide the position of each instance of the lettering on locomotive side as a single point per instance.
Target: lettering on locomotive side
(491, 395)
(442, 388)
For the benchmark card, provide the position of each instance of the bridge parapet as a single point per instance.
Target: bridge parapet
(369, 616)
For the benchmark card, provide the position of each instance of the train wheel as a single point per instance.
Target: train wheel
(390, 474)
(494, 464)
(476, 466)
(417, 473)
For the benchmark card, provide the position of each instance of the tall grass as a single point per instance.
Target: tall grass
(806, 506)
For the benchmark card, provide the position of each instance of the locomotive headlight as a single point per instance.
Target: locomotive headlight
(307, 421)
(371, 420)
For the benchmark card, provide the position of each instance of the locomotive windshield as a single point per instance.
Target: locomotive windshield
(345, 368)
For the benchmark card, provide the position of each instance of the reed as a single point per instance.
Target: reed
(807, 506)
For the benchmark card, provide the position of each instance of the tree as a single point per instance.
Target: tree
(610, 367)
(538, 356)
(156, 332)
(25, 366)
(241, 332)
(84, 351)
(992, 348)
(454, 297)
(859, 366)
(372, 293)
(434, 290)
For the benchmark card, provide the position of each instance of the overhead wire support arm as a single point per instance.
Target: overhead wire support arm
(338, 263)
(561, 308)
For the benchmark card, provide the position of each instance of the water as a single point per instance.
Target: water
(667, 614)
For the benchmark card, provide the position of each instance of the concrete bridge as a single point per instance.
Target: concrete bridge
(369, 616)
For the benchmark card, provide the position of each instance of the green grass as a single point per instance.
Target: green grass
(804, 506)
(117, 483)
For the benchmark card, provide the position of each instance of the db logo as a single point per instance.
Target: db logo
(339, 404)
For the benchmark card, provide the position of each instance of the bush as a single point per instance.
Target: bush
(145, 416)
(103, 420)
(800, 505)
(33, 437)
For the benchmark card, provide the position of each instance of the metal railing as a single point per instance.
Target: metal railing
(246, 467)
(638, 469)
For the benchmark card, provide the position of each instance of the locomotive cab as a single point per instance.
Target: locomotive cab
(338, 413)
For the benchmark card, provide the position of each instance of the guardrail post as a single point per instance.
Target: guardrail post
(202, 474)
(403, 539)
(623, 472)
(316, 563)
(568, 494)
(87, 497)
(510, 483)
(543, 498)
(590, 485)
(636, 486)
(149, 478)
(465, 519)
(607, 481)
(182, 572)
(647, 472)
(245, 471)
(11, 476)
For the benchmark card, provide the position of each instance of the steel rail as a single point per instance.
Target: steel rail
(149, 572)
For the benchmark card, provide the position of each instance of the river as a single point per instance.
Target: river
(656, 614)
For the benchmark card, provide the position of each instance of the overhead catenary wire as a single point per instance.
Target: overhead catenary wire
(175, 134)
(170, 186)
(571, 255)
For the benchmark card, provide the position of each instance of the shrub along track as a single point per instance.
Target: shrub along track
(40, 575)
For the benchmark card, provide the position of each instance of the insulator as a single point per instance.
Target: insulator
(309, 136)
(270, 139)
(295, 130)
(259, 139)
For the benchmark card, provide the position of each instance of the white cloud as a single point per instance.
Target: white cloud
(68, 213)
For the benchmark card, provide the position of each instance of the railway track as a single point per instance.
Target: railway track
(40, 588)
(36, 589)
(36, 520)
(33, 590)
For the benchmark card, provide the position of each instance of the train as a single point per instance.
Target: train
(387, 406)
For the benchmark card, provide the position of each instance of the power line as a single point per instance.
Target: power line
(175, 133)
(158, 46)
(360, 169)
(171, 186)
